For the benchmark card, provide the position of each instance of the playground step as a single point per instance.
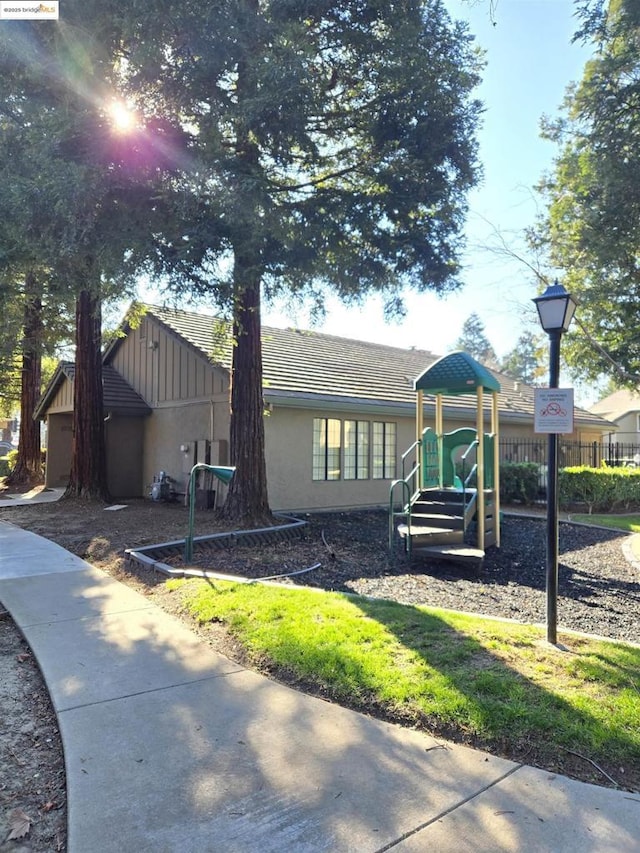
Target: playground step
(421, 535)
(462, 554)
(446, 495)
(436, 508)
(420, 518)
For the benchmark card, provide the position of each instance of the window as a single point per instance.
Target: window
(384, 450)
(326, 449)
(356, 450)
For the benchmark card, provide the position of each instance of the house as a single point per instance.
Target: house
(339, 413)
(622, 408)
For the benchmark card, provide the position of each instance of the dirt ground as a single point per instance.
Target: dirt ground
(32, 792)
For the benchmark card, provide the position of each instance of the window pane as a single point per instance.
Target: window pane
(326, 449)
(356, 450)
(333, 449)
(384, 450)
(350, 450)
(319, 449)
(390, 451)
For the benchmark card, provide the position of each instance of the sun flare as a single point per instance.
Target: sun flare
(122, 117)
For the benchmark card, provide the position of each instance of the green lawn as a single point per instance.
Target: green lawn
(630, 522)
(491, 683)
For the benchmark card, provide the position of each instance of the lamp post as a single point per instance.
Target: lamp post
(556, 308)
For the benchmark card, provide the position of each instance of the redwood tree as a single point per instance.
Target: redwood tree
(332, 144)
(88, 466)
(28, 469)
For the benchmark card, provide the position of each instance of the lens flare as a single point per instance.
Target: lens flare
(122, 117)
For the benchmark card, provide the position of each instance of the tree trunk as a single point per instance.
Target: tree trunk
(28, 469)
(247, 502)
(88, 477)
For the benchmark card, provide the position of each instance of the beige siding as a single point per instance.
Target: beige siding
(63, 400)
(163, 370)
(628, 428)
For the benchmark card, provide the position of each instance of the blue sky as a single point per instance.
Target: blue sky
(530, 62)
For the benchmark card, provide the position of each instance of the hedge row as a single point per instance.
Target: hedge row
(599, 489)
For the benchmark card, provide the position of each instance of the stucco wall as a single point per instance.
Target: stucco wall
(289, 446)
(171, 427)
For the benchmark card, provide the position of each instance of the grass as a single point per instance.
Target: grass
(630, 523)
(492, 683)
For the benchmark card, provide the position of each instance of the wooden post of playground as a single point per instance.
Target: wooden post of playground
(480, 463)
(440, 438)
(419, 431)
(495, 429)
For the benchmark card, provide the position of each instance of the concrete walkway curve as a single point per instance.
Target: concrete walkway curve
(170, 747)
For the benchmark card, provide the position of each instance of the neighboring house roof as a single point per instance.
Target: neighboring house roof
(617, 405)
(315, 369)
(118, 397)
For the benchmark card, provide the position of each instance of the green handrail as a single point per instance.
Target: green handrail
(406, 507)
(224, 473)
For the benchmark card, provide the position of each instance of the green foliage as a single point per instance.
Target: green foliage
(591, 228)
(8, 462)
(519, 482)
(527, 359)
(332, 145)
(474, 342)
(600, 489)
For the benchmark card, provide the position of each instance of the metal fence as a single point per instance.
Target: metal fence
(570, 453)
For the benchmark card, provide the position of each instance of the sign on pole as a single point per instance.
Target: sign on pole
(553, 410)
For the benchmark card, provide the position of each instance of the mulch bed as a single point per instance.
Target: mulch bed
(598, 591)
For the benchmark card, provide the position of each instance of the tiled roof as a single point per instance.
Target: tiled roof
(311, 364)
(117, 395)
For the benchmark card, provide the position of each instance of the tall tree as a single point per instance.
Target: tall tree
(591, 228)
(474, 341)
(525, 361)
(29, 465)
(332, 144)
(87, 189)
(26, 293)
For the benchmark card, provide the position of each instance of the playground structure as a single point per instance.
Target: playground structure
(446, 504)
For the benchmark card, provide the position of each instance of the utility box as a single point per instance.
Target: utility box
(205, 498)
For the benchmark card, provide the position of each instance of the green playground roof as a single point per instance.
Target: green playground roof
(454, 374)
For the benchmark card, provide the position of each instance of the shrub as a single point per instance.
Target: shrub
(518, 482)
(600, 489)
(8, 463)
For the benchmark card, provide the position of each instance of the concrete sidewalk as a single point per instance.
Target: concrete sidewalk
(171, 747)
(39, 495)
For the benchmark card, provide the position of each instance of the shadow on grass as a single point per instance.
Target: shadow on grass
(462, 688)
(505, 711)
